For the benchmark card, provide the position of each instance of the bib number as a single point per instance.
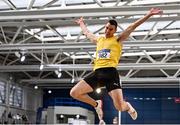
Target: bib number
(104, 54)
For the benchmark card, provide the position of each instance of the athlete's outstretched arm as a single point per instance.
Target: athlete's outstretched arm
(86, 32)
(125, 34)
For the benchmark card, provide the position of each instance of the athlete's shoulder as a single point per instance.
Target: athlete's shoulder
(115, 37)
(100, 38)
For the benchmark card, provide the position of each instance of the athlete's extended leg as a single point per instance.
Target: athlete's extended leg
(120, 104)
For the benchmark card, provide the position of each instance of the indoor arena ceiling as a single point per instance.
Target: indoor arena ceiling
(45, 33)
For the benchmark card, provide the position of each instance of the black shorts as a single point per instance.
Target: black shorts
(107, 77)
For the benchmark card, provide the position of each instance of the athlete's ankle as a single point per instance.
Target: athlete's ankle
(128, 107)
(96, 104)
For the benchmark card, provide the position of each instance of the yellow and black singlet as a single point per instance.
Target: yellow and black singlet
(108, 52)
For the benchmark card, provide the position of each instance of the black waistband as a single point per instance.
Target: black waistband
(106, 68)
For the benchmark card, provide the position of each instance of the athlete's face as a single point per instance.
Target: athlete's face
(109, 30)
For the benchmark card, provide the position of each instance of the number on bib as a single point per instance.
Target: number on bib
(104, 54)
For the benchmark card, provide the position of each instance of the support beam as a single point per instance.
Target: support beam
(48, 4)
(10, 4)
(138, 45)
(3, 34)
(85, 12)
(136, 81)
(88, 67)
(30, 5)
(16, 34)
(151, 2)
(70, 22)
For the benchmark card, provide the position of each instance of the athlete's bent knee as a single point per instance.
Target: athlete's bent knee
(74, 93)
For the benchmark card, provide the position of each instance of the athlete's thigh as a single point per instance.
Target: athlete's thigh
(82, 87)
(113, 82)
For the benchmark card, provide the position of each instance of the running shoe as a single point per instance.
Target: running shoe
(99, 109)
(132, 112)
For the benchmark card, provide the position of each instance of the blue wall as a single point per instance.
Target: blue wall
(56, 93)
(153, 105)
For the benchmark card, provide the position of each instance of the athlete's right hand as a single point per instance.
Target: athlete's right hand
(80, 20)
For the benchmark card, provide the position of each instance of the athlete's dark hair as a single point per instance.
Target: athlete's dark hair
(113, 22)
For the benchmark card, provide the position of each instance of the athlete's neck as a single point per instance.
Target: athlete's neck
(109, 36)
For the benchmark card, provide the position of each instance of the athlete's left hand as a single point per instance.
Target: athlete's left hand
(155, 11)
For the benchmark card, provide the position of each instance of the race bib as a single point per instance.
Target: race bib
(104, 54)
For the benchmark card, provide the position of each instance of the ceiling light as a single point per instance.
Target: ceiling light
(35, 87)
(61, 116)
(23, 57)
(98, 90)
(41, 67)
(17, 54)
(59, 74)
(77, 116)
(49, 91)
(72, 80)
